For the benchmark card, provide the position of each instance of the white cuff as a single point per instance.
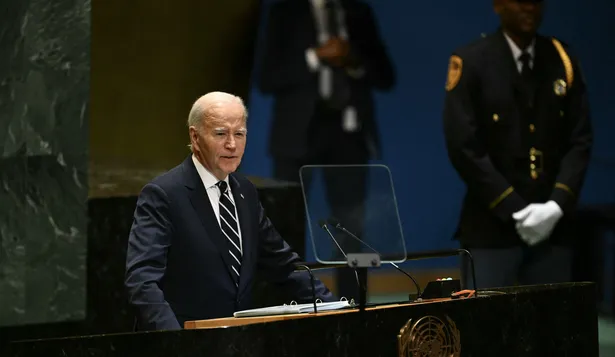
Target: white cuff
(312, 60)
(555, 209)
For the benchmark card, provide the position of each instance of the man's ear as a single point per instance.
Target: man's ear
(194, 134)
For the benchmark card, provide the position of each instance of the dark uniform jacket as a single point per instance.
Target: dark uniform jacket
(515, 142)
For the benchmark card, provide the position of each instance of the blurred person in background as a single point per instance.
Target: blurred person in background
(321, 61)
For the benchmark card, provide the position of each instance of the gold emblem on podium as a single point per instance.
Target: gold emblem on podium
(429, 336)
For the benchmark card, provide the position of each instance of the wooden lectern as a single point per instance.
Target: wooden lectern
(243, 321)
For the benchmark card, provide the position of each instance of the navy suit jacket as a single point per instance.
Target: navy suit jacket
(177, 268)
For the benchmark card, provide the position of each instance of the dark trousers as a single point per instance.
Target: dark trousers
(542, 264)
(330, 145)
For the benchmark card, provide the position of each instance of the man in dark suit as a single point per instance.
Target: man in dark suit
(200, 232)
(518, 132)
(321, 61)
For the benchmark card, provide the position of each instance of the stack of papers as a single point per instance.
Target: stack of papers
(292, 309)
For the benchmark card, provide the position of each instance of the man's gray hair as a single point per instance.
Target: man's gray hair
(206, 105)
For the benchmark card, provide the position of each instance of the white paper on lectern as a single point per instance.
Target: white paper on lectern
(292, 309)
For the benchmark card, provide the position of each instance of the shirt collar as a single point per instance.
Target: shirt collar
(209, 180)
(516, 51)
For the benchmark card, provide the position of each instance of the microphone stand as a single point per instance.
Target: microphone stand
(339, 226)
(359, 262)
(416, 256)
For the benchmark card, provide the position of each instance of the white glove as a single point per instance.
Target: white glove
(536, 221)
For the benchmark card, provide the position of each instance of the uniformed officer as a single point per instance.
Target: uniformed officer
(517, 128)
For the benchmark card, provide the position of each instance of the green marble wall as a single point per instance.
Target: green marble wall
(44, 99)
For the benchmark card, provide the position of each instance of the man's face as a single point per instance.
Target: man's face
(220, 141)
(521, 17)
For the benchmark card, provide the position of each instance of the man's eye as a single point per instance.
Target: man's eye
(220, 134)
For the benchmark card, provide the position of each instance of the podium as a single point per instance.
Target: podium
(542, 320)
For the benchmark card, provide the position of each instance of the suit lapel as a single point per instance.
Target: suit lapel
(201, 204)
(243, 213)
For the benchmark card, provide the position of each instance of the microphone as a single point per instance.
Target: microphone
(335, 223)
(323, 225)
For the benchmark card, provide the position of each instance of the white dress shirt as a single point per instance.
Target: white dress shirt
(349, 121)
(210, 181)
(516, 51)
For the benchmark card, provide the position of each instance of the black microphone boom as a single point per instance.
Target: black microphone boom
(335, 223)
(323, 225)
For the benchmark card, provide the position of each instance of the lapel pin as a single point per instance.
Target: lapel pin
(241, 194)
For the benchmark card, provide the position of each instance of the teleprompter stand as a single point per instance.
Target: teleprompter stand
(360, 262)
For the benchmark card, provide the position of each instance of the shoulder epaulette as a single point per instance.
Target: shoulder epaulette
(565, 60)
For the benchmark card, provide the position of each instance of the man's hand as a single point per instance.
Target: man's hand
(334, 51)
(536, 221)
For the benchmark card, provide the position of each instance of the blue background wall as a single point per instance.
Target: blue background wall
(420, 36)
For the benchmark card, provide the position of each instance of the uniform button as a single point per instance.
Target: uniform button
(532, 128)
(533, 158)
(496, 117)
(532, 166)
(561, 113)
(534, 174)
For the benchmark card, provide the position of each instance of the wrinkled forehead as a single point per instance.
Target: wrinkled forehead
(230, 115)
